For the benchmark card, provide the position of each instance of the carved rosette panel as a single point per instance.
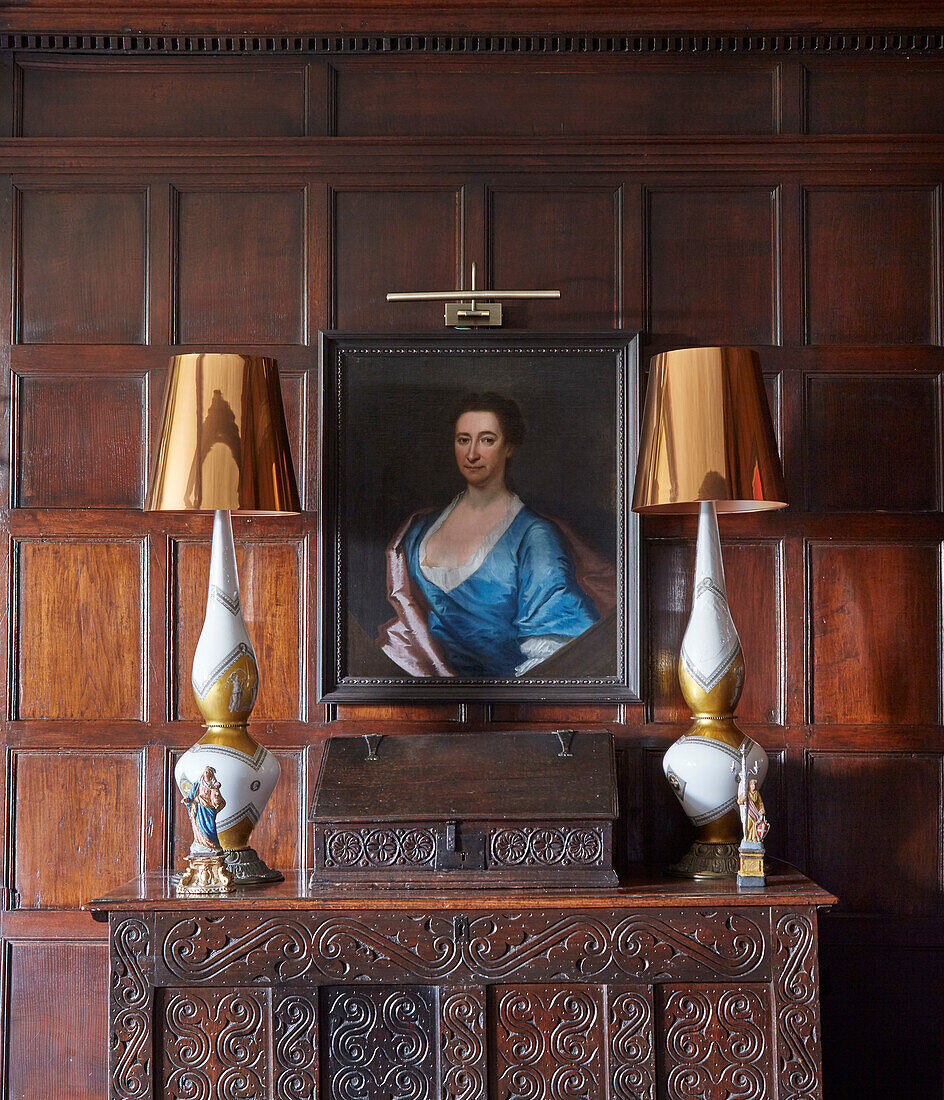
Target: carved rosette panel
(295, 1044)
(389, 946)
(564, 847)
(386, 847)
(131, 1042)
(215, 1044)
(379, 1043)
(715, 1040)
(632, 1048)
(797, 1006)
(548, 1043)
(462, 1042)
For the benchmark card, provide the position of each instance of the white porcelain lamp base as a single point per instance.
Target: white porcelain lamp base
(702, 765)
(227, 777)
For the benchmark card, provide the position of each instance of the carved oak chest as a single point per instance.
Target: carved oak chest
(467, 809)
(656, 990)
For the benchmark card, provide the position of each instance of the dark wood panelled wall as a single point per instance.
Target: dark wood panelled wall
(782, 191)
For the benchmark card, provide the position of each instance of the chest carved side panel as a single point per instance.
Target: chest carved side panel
(604, 945)
(462, 1042)
(631, 1043)
(796, 993)
(131, 996)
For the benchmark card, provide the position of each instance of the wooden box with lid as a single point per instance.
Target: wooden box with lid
(471, 810)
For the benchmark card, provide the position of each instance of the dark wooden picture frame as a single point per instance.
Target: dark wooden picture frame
(386, 406)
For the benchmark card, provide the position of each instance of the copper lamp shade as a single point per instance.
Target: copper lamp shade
(223, 441)
(707, 435)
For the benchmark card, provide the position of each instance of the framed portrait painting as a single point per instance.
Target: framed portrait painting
(475, 535)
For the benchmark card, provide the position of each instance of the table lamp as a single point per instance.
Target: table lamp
(708, 446)
(224, 447)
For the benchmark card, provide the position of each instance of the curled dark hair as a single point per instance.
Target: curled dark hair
(504, 409)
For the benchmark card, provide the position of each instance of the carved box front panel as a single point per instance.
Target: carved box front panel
(379, 1043)
(716, 1041)
(417, 947)
(548, 1042)
(215, 1044)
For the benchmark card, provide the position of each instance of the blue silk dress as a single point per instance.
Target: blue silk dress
(525, 587)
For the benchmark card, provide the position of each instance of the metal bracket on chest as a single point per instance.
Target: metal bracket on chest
(455, 853)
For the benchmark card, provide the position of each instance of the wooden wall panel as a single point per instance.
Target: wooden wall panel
(80, 441)
(80, 632)
(278, 836)
(713, 272)
(875, 630)
(58, 1013)
(66, 97)
(897, 96)
(872, 266)
(82, 267)
(875, 838)
(566, 240)
(857, 457)
(77, 825)
(755, 593)
(427, 98)
(395, 241)
(272, 592)
(240, 275)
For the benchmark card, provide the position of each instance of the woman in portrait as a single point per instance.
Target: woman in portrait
(487, 587)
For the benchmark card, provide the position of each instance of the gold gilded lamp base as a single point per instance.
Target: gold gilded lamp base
(205, 876)
(708, 859)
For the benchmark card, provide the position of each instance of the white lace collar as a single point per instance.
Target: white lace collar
(450, 578)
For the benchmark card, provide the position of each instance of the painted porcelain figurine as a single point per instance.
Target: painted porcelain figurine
(754, 825)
